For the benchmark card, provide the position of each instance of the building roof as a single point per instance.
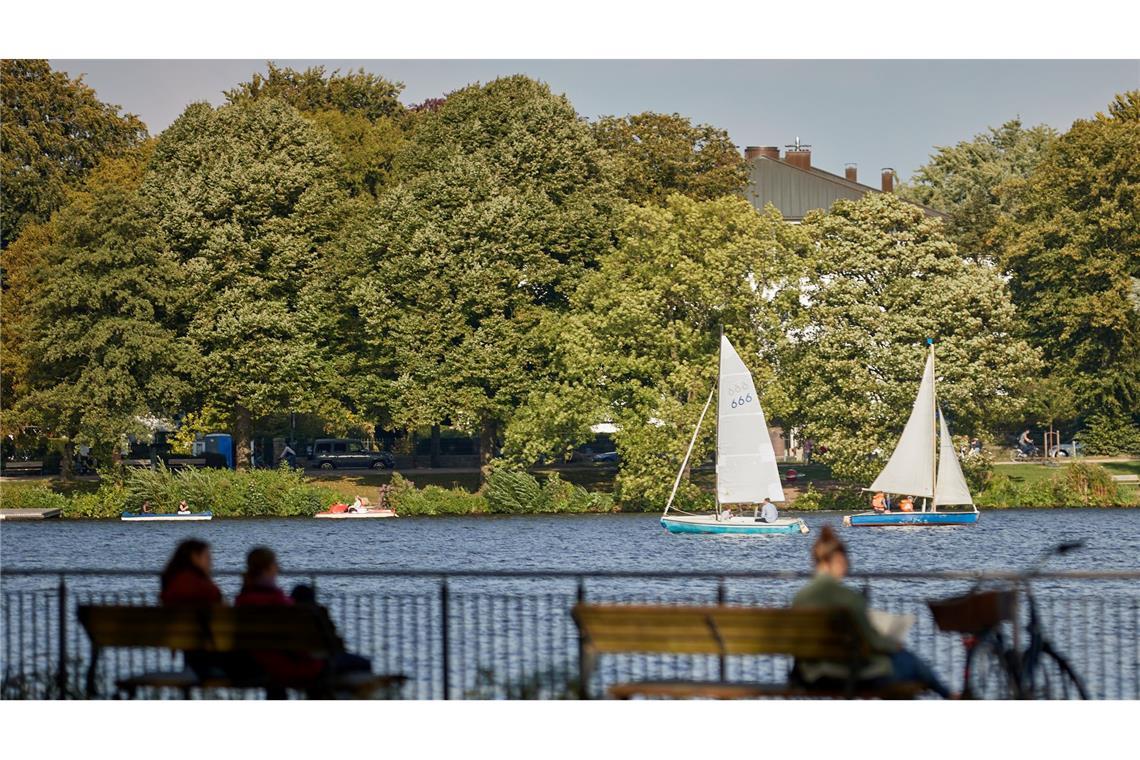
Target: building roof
(795, 191)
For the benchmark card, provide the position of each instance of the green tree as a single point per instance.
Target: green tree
(246, 196)
(360, 111)
(975, 181)
(1071, 245)
(640, 346)
(97, 350)
(53, 130)
(882, 278)
(658, 154)
(505, 201)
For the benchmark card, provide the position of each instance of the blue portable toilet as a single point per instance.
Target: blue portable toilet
(221, 443)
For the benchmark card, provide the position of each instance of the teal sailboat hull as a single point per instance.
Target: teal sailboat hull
(737, 526)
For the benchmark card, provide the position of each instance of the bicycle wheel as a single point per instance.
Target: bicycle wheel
(1054, 678)
(987, 673)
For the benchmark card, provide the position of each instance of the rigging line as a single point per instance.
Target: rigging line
(685, 461)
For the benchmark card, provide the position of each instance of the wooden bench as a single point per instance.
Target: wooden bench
(723, 631)
(224, 630)
(176, 463)
(23, 468)
(1130, 478)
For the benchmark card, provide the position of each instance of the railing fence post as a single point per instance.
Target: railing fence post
(722, 661)
(443, 637)
(61, 674)
(583, 666)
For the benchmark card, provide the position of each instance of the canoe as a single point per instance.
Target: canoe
(871, 519)
(165, 516)
(372, 513)
(740, 526)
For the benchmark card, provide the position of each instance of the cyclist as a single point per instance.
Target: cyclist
(1025, 443)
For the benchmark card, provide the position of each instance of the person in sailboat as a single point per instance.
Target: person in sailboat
(906, 504)
(879, 503)
(889, 663)
(766, 512)
(726, 513)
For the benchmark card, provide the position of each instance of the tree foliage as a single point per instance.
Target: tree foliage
(880, 279)
(53, 130)
(640, 345)
(658, 154)
(313, 91)
(504, 203)
(975, 182)
(245, 196)
(96, 314)
(1071, 244)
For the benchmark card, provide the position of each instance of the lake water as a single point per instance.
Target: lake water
(521, 626)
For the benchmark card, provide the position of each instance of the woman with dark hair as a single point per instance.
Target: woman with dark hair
(890, 663)
(186, 579)
(259, 588)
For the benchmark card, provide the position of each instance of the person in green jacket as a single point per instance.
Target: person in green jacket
(890, 663)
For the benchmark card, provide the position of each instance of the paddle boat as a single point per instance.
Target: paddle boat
(925, 465)
(746, 471)
(166, 516)
(356, 511)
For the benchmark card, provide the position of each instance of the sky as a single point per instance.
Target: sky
(875, 114)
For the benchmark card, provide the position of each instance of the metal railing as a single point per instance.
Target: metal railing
(508, 634)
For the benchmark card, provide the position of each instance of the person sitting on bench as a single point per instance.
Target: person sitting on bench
(890, 663)
(259, 588)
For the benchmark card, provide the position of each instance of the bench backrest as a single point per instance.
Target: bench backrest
(211, 629)
(719, 630)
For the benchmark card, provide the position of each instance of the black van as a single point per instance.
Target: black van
(331, 453)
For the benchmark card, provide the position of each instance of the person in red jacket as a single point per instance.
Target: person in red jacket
(186, 580)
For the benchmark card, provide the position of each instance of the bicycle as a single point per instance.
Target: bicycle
(995, 668)
(1029, 453)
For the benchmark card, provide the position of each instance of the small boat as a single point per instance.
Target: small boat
(925, 465)
(357, 511)
(746, 470)
(366, 514)
(166, 516)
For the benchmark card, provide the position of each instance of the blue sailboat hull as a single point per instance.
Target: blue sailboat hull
(873, 519)
(710, 527)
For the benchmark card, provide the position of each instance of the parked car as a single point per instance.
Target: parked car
(332, 453)
(609, 456)
(1070, 449)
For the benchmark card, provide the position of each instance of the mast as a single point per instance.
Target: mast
(716, 473)
(934, 438)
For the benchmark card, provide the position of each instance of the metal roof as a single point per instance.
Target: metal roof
(795, 191)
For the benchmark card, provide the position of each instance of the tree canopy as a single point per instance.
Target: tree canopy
(53, 130)
(975, 181)
(95, 335)
(881, 278)
(504, 202)
(658, 154)
(640, 345)
(1070, 244)
(245, 196)
(312, 91)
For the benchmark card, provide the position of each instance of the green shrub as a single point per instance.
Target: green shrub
(31, 496)
(518, 492)
(410, 501)
(1110, 436)
(838, 498)
(1079, 484)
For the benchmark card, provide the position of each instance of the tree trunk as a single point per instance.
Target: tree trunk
(66, 473)
(486, 448)
(434, 446)
(243, 430)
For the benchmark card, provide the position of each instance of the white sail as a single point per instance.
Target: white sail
(910, 470)
(745, 461)
(952, 488)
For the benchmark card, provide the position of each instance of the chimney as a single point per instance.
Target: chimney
(798, 155)
(888, 180)
(767, 151)
(851, 172)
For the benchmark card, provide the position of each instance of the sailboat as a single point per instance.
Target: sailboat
(745, 461)
(924, 465)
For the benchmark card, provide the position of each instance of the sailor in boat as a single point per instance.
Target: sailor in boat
(906, 504)
(726, 514)
(766, 512)
(183, 508)
(879, 503)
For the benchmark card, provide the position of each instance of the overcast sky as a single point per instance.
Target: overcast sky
(873, 113)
